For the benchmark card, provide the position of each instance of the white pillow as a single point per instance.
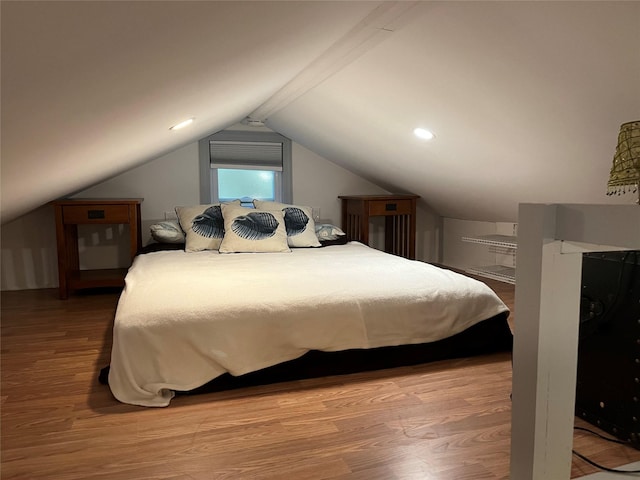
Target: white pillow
(203, 226)
(252, 230)
(168, 231)
(327, 231)
(298, 222)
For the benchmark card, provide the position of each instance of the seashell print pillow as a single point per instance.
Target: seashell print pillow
(203, 226)
(249, 230)
(298, 221)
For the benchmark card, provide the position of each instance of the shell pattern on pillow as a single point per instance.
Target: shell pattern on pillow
(255, 226)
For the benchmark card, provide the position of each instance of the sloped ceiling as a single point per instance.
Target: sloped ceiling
(525, 98)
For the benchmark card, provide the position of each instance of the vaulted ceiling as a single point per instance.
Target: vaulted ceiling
(525, 98)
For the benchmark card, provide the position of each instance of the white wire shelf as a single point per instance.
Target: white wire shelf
(504, 241)
(495, 272)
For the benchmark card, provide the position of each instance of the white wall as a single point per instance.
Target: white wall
(318, 183)
(429, 239)
(29, 257)
(29, 245)
(163, 184)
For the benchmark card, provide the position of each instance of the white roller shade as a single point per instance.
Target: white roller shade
(246, 155)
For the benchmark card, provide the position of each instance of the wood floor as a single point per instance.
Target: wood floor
(441, 421)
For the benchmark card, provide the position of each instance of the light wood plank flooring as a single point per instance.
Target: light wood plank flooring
(441, 421)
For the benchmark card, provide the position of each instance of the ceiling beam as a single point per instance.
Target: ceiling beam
(381, 22)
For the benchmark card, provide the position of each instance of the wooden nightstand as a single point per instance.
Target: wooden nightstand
(400, 220)
(73, 212)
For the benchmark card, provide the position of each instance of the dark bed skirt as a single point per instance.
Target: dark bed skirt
(489, 336)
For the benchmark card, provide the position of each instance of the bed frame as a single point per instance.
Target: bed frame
(490, 336)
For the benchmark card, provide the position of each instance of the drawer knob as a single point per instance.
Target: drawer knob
(391, 207)
(95, 213)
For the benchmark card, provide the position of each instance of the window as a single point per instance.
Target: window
(246, 185)
(245, 165)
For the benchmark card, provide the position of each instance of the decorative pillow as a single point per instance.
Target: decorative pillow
(326, 231)
(298, 222)
(252, 230)
(203, 226)
(168, 231)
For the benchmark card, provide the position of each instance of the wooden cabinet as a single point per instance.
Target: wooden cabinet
(400, 220)
(73, 212)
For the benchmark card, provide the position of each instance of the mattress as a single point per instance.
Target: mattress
(184, 319)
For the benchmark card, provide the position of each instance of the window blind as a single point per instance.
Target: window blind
(246, 155)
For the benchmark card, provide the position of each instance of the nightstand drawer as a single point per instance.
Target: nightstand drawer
(83, 214)
(390, 207)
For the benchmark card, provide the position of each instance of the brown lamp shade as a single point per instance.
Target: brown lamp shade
(625, 171)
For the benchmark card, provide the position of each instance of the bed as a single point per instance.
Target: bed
(251, 295)
(186, 318)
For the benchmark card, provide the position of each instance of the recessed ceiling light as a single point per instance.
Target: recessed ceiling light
(182, 124)
(423, 133)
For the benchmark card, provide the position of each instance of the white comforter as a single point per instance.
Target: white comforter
(186, 318)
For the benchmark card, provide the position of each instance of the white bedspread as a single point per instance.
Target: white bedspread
(186, 318)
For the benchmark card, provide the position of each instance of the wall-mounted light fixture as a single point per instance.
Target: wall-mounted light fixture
(625, 171)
